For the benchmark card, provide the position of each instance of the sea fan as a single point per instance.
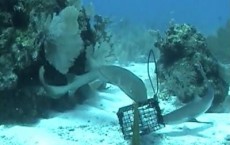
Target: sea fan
(63, 43)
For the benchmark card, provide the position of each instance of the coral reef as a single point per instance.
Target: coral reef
(182, 48)
(24, 32)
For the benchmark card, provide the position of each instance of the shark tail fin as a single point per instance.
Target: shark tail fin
(41, 75)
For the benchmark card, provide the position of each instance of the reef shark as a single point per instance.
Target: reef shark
(127, 81)
(133, 87)
(190, 111)
(56, 92)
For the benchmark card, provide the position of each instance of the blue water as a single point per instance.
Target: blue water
(206, 15)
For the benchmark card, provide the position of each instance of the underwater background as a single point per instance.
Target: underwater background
(71, 71)
(206, 15)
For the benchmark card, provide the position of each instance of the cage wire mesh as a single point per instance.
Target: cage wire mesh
(150, 118)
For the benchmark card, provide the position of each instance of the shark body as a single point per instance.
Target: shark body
(191, 110)
(128, 82)
(56, 92)
(198, 106)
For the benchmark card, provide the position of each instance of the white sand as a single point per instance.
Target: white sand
(95, 122)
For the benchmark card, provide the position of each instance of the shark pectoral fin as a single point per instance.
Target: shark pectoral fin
(193, 120)
(98, 85)
(197, 121)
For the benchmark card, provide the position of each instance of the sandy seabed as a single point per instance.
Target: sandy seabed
(95, 122)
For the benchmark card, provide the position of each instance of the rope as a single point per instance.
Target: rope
(151, 52)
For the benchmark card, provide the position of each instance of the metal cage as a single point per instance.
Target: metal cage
(150, 118)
